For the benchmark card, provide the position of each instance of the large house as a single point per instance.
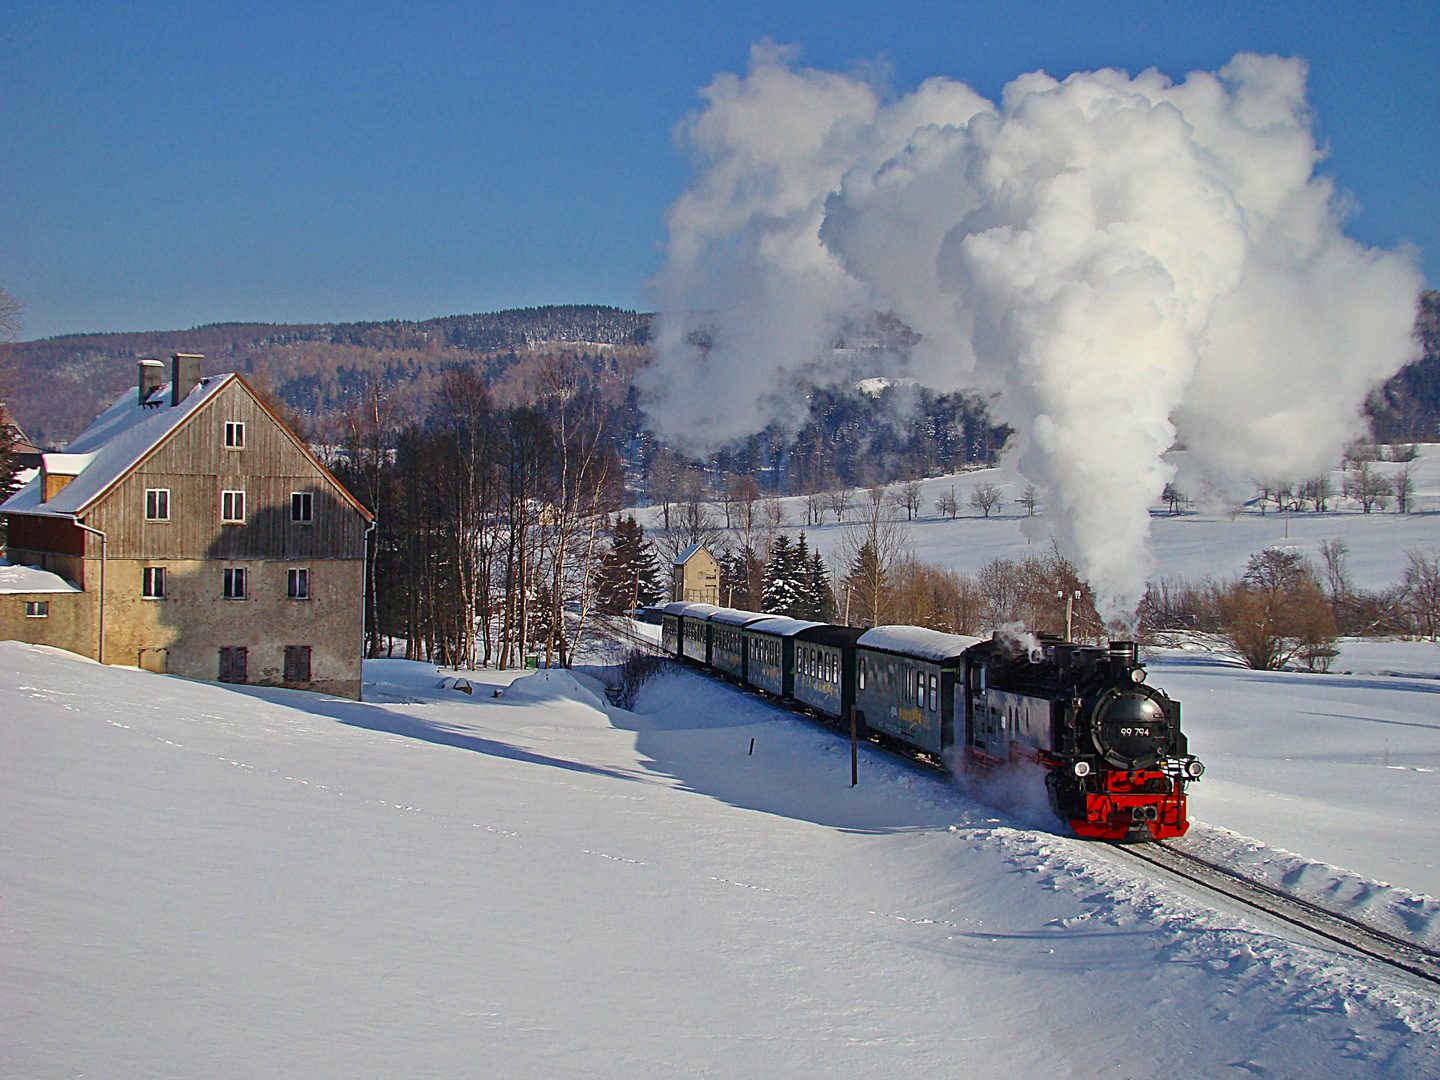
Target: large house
(189, 531)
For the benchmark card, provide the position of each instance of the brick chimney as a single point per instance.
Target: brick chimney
(184, 375)
(152, 377)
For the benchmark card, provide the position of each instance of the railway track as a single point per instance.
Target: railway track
(1350, 933)
(1353, 934)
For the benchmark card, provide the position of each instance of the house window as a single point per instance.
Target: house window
(233, 663)
(232, 507)
(234, 588)
(234, 435)
(157, 504)
(934, 692)
(152, 583)
(860, 673)
(37, 609)
(298, 587)
(297, 663)
(302, 507)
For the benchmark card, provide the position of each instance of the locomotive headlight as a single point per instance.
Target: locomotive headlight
(1137, 675)
(1194, 769)
(1082, 768)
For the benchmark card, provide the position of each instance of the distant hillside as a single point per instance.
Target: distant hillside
(55, 387)
(1407, 408)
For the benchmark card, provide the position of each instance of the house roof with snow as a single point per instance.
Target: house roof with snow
(31, 579)
(120, 440)
(688, 554)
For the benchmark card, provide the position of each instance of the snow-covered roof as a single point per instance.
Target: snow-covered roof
(118, 440)
(66, 464)
(689, 607)
(917, 641)
(781, 626)
(685, 555)
(735, 617)
(31, 579)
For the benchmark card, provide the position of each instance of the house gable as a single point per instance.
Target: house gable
(194, 466)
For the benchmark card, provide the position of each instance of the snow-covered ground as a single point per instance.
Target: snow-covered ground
(1343, 769)
(1206, 542)
(201, 880)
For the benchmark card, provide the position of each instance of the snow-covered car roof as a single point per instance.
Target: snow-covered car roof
(780, 626)
(917, 641)
(736, 617)
(689, 608)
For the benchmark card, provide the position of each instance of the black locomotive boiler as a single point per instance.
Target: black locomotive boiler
(1115, 759)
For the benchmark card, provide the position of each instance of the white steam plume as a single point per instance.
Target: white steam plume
(1125, 260)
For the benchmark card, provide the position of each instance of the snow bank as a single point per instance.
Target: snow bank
(551, 686)
(1377, 903)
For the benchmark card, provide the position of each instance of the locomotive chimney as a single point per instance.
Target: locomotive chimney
(151, 374)
(184, 375)
(1123, 653)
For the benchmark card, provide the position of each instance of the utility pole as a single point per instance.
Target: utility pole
(1069, 598)
(854, 746)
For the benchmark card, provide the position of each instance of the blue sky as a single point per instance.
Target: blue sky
(167, 165)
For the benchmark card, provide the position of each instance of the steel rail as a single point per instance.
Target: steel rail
(1354, 934)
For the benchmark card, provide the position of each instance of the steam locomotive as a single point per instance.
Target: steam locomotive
(1116, 762)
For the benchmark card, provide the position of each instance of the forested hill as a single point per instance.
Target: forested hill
(55, 387)
(1407, 408)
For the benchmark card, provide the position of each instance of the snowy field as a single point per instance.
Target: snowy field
(208, 881)
(1205, 542)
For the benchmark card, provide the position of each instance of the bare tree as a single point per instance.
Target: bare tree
(746, 493)
(773, 521)
(10, 312)
(948, 504)
(986, 497)
(816, 503)
(1030, 498)
(367, 426)
(908, 498)
(841, 502)
(1277, 613)
(1366, 486)
(1420, 586)
(662, 481)
(870, 551)
(1337, 581)
(1403, 486)
(1318, 491)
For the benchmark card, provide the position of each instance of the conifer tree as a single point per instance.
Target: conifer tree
(628, 575)
(868, 584)
(822, 595)
(816, 599)
(783, 586)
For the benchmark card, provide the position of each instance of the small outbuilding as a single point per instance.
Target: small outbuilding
(695, 576)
